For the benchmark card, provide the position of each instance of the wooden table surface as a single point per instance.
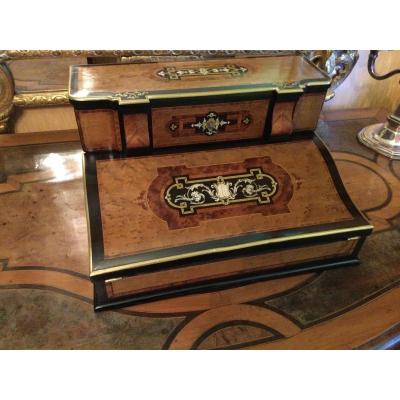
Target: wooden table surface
(46, 296)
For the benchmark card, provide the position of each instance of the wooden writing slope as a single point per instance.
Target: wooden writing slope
(203, 189)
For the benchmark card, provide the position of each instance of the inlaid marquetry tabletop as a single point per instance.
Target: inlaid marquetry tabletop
(46, 298)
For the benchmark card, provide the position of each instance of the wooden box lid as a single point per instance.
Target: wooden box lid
(154, 211)
(141, 83)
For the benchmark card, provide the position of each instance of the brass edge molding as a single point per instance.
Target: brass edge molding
(142, 97)
(40, 99)
(89, 238)
(223, 249)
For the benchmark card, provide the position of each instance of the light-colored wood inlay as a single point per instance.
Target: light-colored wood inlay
(175, 277)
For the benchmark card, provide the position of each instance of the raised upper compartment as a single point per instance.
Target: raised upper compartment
(123, 107)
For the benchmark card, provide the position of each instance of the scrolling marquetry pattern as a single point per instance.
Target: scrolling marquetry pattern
(187, 195)
(209, 124)
(172, 73)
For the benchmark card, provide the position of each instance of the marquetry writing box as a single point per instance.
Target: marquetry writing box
(171, 223)
(131, 107)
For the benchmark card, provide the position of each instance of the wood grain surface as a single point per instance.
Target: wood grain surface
(282, 118)
(99, 129)
(307, 111)
(130, 226)
(136, 130)
(184, 116)
(98, 79)
(170, 278)
(46, 296)
(360, 90)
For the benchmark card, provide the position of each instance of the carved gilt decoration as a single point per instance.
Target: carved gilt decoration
(186, 195)
(38, 99)
(6, 95)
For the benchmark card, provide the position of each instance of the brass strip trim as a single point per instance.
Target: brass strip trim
(227, 248)
(113, 280)
(87, 215)
(354, 238)
(144, 97)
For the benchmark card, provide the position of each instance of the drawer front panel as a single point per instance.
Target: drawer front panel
(180, 125)
(194, 274)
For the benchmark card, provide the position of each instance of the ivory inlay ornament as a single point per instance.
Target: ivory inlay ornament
(210, 123)
(173, 73)
(187, 195)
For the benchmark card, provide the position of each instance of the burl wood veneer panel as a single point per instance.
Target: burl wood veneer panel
(136, 130)
(174, 277)
(174, 126)
(130, 226)
(145, 77)
(233, 180)
(99, 129)
(307, 111)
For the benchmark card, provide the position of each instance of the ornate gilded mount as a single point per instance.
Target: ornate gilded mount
(210, 123)
(173, 73)
(186, 195)
(6, 96)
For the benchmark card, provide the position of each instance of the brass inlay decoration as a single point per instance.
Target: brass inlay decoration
(210, 123)
(137, 94)
(187, 195)
(173, 73)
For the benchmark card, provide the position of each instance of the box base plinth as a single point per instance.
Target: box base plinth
(102, 301)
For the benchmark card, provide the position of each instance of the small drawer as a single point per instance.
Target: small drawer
(205, 123)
